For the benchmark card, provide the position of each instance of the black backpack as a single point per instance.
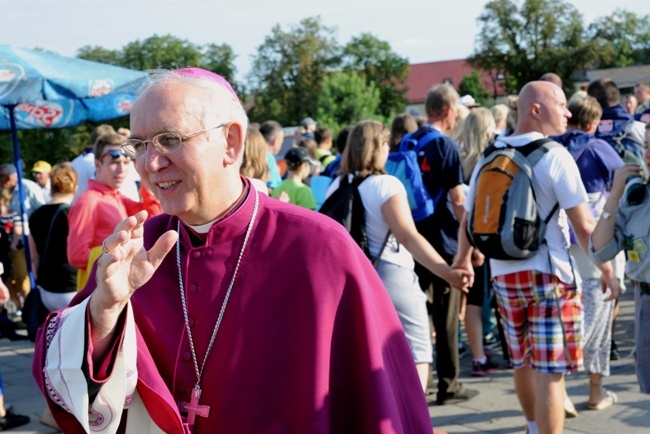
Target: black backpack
(345, 206)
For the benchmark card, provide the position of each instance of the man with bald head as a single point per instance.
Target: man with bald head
(190, 313)
(552, 77)
(538, 297)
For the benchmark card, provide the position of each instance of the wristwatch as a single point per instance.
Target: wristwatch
(606, 214)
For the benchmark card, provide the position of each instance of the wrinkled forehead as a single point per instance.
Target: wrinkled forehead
(168, 105)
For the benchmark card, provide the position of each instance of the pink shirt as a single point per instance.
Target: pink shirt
(95, 214)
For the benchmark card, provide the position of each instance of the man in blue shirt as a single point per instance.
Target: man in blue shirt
(441, 170)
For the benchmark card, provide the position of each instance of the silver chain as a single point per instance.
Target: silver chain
(199, 372)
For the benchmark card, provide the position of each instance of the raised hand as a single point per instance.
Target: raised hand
(621, 176)
(124, 267)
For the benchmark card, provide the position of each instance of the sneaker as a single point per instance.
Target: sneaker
(491, 341)
(613, 352)
(461, 395)
(462, 350)
(12, 420)
(480, 369)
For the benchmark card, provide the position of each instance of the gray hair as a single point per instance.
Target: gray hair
(226, 106)
(439, 98)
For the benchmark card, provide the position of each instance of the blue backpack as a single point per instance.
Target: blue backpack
(404, 165)
(332, 169)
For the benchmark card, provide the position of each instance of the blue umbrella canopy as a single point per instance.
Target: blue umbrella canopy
(46, 90)
(39, 89)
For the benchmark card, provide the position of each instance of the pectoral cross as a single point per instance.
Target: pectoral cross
(193, 409)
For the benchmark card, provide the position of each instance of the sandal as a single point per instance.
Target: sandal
(569, 409)
(12, 420)
(610, 399)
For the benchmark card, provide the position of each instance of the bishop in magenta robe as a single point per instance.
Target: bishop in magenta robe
(309, 343)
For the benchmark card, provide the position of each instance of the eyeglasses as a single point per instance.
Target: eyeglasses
(115, 154)
(165, 143)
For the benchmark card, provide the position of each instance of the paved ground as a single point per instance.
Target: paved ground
(494, 410)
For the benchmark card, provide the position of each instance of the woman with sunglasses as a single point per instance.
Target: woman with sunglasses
(101, 207)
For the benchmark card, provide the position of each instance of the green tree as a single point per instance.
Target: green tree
(625, 38)
(347, 98)
(525, 41)
(160, 52)
(166, 52)
(471, 85)
(100, 54)
(380, 66)
(288, 71)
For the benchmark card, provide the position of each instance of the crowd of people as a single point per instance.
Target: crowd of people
(165, 242)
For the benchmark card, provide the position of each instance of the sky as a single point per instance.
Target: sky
(419, 30)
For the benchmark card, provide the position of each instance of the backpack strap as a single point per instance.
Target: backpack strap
(489, 149)
(357, 180)
(413, 141)
(534, 151)
(548, 217)
(375, 263)
(323, 158)
(532, 146)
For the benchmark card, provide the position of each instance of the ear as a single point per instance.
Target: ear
(234, 144)
(98, 164)
(535, 110)
(593, 126)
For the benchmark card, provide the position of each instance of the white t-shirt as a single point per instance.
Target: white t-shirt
(129, 187)
(556, 179)
(259, 185)
(374, 191)
(84, 165)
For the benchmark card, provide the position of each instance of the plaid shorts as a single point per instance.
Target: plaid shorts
(529, 307)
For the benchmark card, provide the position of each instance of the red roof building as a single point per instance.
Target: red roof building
(423, 76)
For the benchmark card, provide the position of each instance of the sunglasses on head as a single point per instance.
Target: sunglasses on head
(115, 154)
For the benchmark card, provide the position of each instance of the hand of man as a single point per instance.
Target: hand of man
(468, 272)
(478, 258)
(459, 278)
(124, 267)
(609, 281)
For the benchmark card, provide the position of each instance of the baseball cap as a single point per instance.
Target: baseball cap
(42, 167)
(297, 156)
(307, 122)
(468, 101)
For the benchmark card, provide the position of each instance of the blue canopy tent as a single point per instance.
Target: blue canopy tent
(39, 89)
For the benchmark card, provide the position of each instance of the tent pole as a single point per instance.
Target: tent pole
(21, 193)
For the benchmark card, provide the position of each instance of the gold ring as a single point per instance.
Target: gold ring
(104, 249)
